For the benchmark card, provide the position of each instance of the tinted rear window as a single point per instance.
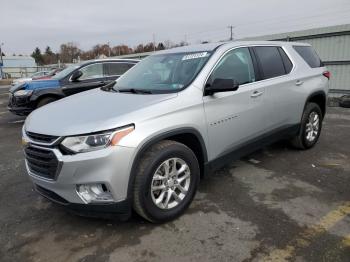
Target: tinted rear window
(115, 69)
(309, 55)
(286, 61)
(270, 61)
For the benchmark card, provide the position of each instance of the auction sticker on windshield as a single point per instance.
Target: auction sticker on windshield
(195, 55)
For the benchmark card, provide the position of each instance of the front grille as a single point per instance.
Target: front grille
(41, 138)
(41, 162)
(17, 101)
(11, 100)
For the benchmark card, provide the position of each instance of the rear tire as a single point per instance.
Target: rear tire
(344, 101)
(45, 101)
(310, 128)
(166, 181)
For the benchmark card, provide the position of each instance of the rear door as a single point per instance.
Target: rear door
(113, 70)
(280, 86)
(91, 78)
(234, 117)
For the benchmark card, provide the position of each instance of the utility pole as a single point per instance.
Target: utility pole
(231, 30)
(1, 61)
(154, 42)
(109, 50)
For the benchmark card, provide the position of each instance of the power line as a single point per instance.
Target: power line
(267, 22)
(288, 18)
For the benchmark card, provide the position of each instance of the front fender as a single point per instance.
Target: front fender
(38, 93)
(154, 139)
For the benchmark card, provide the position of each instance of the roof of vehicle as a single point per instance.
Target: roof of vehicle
(110, 60)
(212, 46)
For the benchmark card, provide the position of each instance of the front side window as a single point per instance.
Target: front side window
(270, 61)
(237, 65)
(92, 71)
(117, 69)
(164, 73)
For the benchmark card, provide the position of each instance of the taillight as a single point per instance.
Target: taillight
(327, 74)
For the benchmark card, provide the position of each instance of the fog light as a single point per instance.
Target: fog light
(94, 193)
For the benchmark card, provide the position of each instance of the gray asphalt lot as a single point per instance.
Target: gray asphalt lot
(277, 204)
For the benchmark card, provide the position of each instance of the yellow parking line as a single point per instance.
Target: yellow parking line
(346, 241)
(305, 238)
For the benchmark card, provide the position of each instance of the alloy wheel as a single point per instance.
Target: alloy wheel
(170, 183)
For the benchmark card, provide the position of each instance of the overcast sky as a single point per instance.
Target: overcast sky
(30, 23)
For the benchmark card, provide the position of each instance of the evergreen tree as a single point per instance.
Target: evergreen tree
(37, 56)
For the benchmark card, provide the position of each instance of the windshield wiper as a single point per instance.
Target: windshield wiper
(134, 91)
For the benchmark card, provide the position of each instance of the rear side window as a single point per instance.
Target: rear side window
(288, 66)
(116, 69)
(270, 61)
(309, 55)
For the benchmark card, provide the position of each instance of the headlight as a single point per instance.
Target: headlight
(80, 144)
(23, 93)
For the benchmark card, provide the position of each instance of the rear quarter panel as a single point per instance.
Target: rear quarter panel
(313, 82)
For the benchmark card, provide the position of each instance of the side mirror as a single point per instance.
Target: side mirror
(221, 85)
(76, 75)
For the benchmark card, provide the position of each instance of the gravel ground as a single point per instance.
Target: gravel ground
(277, 204)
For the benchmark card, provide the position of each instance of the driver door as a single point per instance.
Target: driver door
(234, 117)
(92, 77)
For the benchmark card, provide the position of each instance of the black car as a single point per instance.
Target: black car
(26, 97)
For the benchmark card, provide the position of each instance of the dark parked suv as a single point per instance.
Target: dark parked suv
(26, 97)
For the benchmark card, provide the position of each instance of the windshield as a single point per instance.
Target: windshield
(163, 73)
(38, 74)
(65, 72)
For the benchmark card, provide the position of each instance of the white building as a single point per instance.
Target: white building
(19, 66)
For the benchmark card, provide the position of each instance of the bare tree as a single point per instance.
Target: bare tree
(69, 52)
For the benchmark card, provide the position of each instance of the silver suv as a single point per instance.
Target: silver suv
(146, 141)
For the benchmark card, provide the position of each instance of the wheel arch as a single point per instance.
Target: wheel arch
(319, 98)
(187, 136)
(44, 93)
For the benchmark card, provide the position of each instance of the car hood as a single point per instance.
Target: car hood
(21, 80)
(36, 84)
(91, 111)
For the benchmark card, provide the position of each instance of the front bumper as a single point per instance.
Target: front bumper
(110, 166)
(20, 105)
(120, 210)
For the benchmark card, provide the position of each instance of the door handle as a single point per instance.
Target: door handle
(299, 83)
(256, 93)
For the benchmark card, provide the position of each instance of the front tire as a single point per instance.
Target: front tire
(166, 181)
(310, 129)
